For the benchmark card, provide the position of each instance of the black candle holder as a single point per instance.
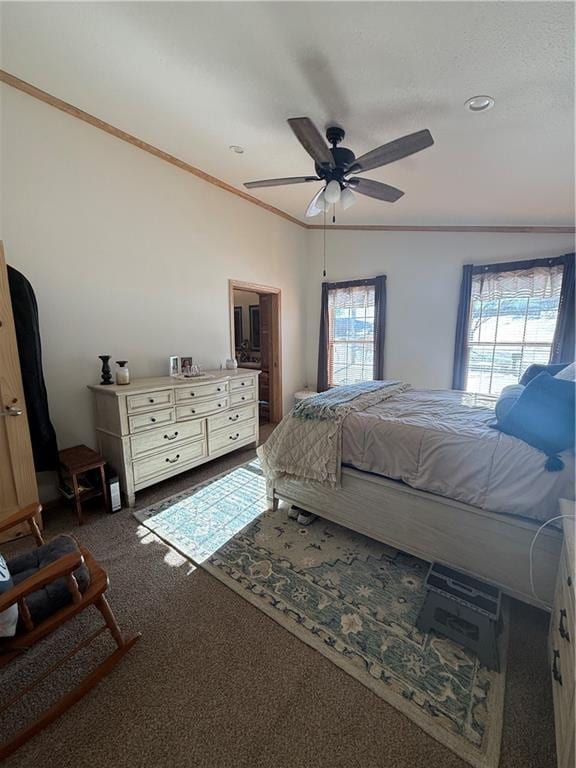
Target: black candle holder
(106, 372)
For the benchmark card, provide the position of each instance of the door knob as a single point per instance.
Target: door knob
(10, 410)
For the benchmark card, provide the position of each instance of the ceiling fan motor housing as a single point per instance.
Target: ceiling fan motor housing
(343, 158)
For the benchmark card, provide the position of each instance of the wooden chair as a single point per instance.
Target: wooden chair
(28, 633)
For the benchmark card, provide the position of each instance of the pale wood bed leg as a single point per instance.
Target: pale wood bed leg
(271, 498)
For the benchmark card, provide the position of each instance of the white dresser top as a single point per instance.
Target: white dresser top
(166, 382)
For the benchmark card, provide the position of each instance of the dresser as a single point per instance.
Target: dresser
(562, 644)
(153, 429)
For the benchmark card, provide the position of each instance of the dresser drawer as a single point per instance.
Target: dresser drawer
(248, 381)
(197, 391)
(156, 439)
(231, 417)
(201, 408)
(228, 438)
(168, 462)
(246, 396)
(566, 588)
(150, 420)
(563, 622)
(562, 690)
(147, 401)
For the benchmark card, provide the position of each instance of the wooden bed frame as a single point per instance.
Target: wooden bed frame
(488, 545)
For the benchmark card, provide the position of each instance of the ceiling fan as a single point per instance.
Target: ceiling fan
(337, 165)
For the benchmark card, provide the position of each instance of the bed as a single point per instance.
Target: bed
(424, 471)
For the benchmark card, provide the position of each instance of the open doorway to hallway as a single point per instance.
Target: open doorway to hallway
(255, 341)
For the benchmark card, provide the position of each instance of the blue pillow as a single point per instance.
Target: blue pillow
(543, 416)
(508, 397)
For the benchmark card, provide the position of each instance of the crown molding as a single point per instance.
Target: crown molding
(31, 90)
(538, 230)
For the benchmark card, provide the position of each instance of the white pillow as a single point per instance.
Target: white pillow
(568, 373)
(9, 617)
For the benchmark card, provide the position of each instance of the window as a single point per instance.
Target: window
(352, 332)
(351, 335)
(511, 325)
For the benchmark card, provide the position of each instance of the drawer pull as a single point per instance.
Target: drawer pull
(152, 419)
(219, 389)
(242, 383)
(192, 410)
(243, 398)
(150, 399)
(192, 394)
(564, 634)
(171, 437)
(174, 460)
(219, 405)
(235, 437)
(555, 671)
(234, 418)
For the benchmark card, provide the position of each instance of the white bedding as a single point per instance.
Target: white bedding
(441, 442)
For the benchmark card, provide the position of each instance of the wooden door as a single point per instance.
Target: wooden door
(17, 475)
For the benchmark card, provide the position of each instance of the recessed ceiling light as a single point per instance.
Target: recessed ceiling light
(236, 148)
(479, 103)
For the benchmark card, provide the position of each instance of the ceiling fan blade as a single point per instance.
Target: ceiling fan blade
(375, 189)
(394, 150)
(280, 182)
(311, 139)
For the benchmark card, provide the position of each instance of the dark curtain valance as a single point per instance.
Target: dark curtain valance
(379, 284)
(513, 266)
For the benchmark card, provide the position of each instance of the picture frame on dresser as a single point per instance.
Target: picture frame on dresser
(155, 428)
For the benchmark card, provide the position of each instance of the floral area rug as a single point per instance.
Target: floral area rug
(349, 597)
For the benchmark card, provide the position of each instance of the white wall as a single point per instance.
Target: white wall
(423, 272)
(130, 256)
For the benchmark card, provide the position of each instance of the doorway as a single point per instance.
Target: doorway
(255, 342)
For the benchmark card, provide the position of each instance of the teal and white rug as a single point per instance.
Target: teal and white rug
(349, 597)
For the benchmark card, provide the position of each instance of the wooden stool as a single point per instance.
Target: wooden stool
(77, 460)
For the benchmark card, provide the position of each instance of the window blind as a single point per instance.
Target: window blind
(512, 321)
(351, 334)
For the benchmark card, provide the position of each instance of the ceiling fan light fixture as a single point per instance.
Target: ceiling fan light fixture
(332, 192)
(312, 211)
(347, 198)
(317, 205)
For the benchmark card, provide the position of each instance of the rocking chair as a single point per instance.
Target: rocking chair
(53, 584)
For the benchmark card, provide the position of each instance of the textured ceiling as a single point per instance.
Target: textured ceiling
(193, 78)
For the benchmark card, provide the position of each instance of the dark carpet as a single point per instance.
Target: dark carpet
(215, 683)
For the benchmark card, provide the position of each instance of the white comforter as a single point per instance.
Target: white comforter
(440, 441)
